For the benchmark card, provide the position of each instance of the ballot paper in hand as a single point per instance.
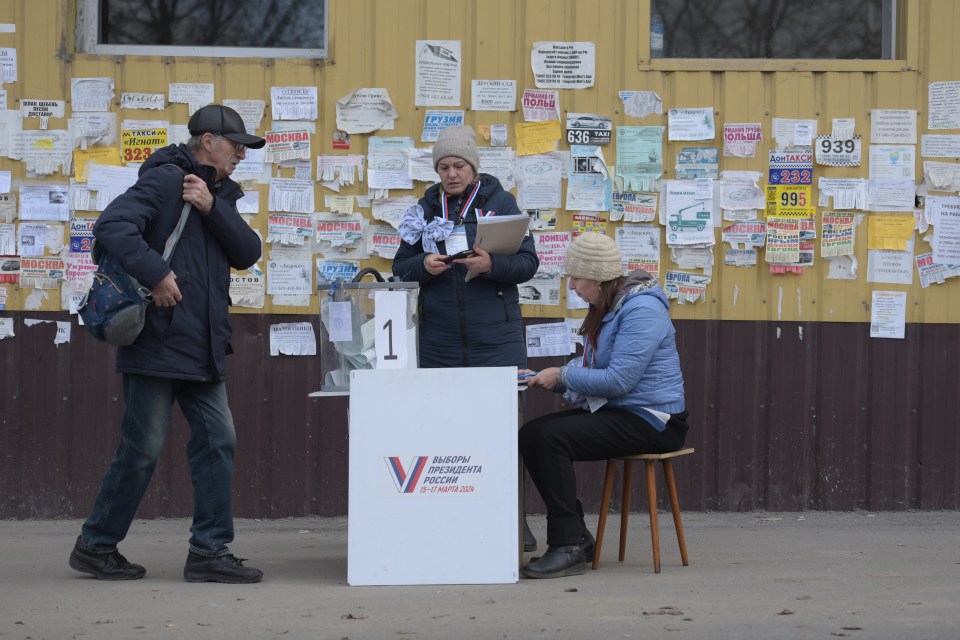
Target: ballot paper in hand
(500, 234)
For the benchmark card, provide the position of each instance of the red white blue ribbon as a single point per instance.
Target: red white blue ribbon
(445, 202)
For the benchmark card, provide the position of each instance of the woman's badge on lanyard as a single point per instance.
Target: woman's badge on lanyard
(456, 241)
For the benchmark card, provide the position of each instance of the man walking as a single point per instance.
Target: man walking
(180, 354)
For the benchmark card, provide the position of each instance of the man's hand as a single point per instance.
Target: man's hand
(195, 192)
(167, 293)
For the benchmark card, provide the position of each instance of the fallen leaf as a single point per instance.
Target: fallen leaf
(350, 616)
(571, 590)
(786, 612)
(852, 627)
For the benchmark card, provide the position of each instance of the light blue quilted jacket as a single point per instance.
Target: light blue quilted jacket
(635, 364)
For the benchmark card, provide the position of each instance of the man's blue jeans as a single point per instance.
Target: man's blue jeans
(143, 430)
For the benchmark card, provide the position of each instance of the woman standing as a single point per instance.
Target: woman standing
(628, 387)
(475, 323)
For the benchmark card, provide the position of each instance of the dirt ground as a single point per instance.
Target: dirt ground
(751, 575)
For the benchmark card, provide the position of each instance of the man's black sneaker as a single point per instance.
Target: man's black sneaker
(227, 568)
(104, 566)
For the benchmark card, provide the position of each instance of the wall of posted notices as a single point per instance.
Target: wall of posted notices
(754, 190)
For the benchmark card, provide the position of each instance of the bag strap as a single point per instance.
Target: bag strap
(174, 237)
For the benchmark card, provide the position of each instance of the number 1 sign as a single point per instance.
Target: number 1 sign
(390, 320)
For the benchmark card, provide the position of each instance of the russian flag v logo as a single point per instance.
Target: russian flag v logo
(406, 480)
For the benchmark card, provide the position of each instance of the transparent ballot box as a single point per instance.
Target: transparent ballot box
(366, 325)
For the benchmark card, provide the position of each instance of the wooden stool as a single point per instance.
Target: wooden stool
(648, 459)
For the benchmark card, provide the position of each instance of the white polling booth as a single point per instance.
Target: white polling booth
(433, 476)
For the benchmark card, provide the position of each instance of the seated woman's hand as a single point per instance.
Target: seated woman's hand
(546, 379)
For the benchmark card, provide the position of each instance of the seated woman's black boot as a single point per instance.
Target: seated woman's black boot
(557, 562)
(586, 538)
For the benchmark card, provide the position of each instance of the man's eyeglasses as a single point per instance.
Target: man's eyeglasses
(237, 146)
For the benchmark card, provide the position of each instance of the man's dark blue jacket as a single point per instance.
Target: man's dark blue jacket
(188, 341)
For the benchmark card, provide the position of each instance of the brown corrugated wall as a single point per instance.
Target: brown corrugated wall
(875, 430)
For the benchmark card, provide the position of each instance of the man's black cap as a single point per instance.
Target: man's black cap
(222, 121)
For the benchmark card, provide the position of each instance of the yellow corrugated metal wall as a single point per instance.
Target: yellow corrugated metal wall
(371, 44)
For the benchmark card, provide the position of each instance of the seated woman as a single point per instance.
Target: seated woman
(628, 388)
